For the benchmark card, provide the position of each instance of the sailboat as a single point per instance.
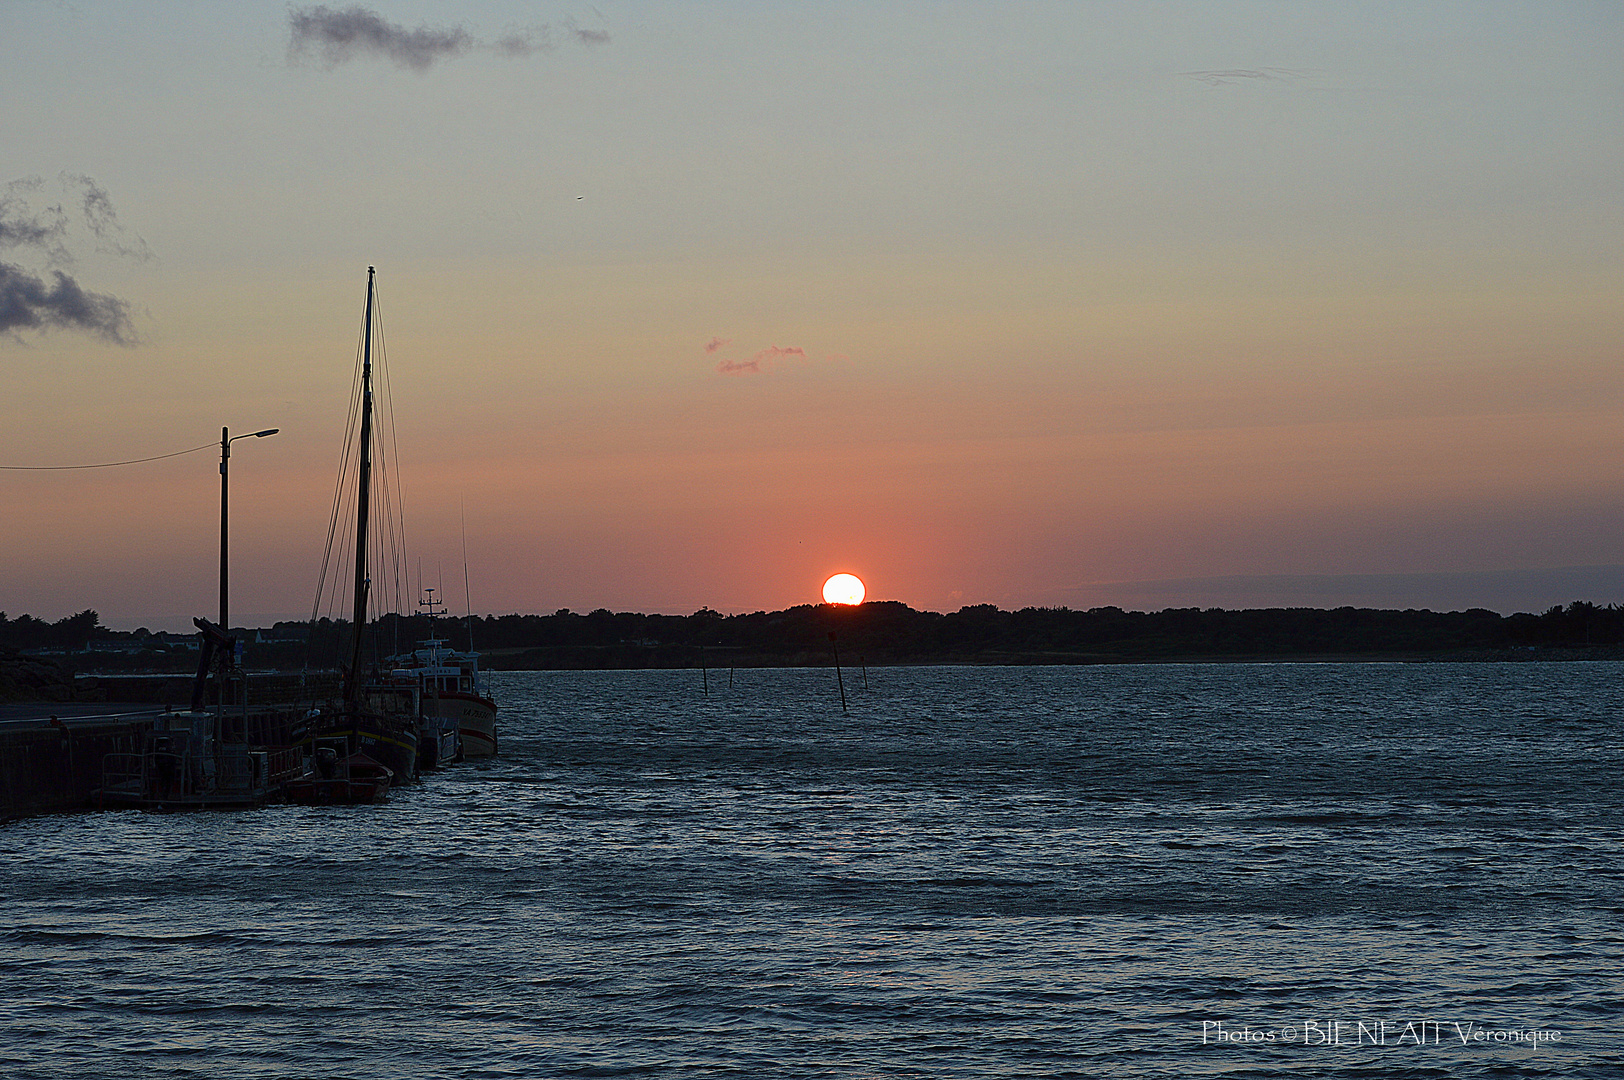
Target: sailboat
(375, 718)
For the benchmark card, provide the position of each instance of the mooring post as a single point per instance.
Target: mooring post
(841, 682)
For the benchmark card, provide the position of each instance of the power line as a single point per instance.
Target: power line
(105, 464)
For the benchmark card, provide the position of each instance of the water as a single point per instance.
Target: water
(974, 873)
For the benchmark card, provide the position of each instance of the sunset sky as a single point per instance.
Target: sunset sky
(695, 304)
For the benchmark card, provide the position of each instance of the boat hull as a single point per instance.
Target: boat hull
(378, 726)
(438, 742)
(475, 717)
(357, 780)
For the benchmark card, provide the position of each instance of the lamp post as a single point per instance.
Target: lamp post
(226, 439)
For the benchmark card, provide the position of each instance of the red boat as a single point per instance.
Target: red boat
(349, 781)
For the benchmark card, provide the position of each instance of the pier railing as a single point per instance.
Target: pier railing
(165, 773)
(162, 774)
(285, 765)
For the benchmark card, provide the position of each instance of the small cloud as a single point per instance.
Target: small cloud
(523, 44)
(589, 38)
(755, 364)
(1235, 76)
(340, 35)
(27, 302)
(716, 343)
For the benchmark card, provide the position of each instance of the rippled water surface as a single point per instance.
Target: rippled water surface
(975, 872)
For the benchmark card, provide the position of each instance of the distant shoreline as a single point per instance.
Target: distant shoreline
(47, 657)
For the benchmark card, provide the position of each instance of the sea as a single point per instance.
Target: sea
(1260, 870)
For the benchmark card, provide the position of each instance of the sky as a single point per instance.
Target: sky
(694, 304)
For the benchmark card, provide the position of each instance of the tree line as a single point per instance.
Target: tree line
(890, 632)
(72, 632)
(879, 633)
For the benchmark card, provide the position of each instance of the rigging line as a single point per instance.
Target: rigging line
(341, 514)
(332, 589)
(467, 594)
(383, 549)
(105, 464)
(394, 495)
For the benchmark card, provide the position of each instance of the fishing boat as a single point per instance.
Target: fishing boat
(373, 717)
(458, 712)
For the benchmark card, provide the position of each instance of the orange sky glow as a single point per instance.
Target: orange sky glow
(1061, 324)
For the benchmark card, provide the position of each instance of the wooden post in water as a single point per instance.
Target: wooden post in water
(704, 672)
(864, 661)
(841, 682)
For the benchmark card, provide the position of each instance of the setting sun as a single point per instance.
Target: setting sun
(843, 589)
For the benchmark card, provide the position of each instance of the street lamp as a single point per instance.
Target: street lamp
(226, 439)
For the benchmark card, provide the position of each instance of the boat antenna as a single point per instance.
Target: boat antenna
(419, 609)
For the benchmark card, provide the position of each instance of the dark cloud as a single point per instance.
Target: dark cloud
(35, 299)
(22, 225)
(45, 229)
(716, 343)
(30, 232)
(27, 302)
(339, 35)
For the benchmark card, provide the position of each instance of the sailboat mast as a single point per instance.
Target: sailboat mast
(363, 500)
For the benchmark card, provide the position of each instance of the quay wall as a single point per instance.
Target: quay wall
(52, 747)
(174, 690)
(57, 765)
